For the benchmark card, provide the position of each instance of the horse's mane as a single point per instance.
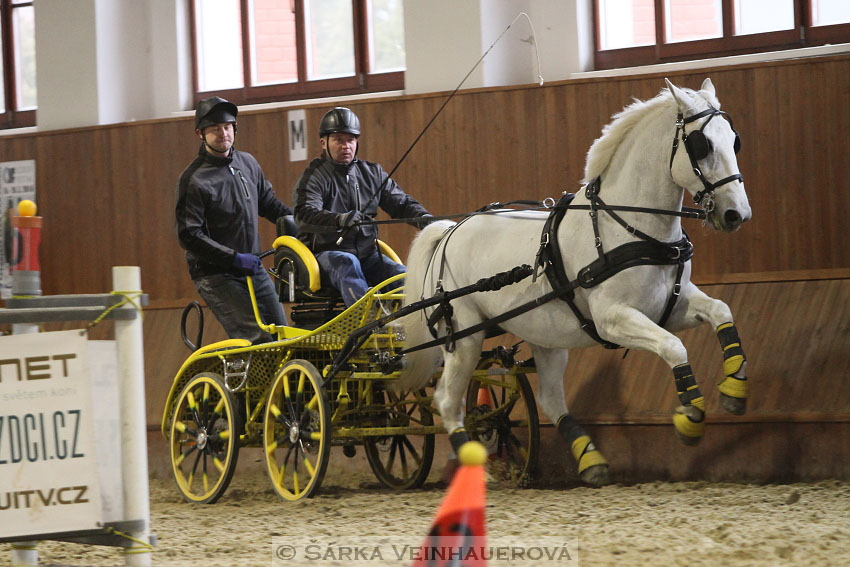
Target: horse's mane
(602, 150)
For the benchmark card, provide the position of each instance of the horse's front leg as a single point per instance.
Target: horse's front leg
(550, 365)
(696, 308)
(630, 328)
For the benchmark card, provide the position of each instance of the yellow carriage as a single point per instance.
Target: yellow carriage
(335, 384)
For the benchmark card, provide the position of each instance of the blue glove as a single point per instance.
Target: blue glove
(247, 264)
(349, 219)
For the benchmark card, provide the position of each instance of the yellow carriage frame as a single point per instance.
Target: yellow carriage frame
(278, 396)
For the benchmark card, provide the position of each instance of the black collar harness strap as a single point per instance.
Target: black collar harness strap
(697, 147)
(646, 251)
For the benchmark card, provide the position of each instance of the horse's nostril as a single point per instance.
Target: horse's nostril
(732, 217)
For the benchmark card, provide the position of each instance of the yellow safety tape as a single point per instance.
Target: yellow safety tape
(129, 297)
(144, 546)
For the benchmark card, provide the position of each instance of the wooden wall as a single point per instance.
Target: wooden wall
(107, 197)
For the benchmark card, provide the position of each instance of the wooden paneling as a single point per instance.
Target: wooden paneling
(107, 197)
(107, 193)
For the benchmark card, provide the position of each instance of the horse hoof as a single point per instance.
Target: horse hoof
(735, 406)
(596, 476)
(689, 422)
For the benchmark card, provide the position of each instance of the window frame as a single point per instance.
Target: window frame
(804, 34)
(11, 117)
(363, 81)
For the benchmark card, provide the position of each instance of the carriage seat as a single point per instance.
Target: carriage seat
(298, 277)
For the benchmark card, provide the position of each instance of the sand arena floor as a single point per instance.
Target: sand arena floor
(660, 523)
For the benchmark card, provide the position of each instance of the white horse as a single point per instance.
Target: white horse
(637, 162)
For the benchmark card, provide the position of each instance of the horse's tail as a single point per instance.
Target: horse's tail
(420, 365)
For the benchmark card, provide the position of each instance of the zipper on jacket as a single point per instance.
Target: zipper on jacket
(238, 173)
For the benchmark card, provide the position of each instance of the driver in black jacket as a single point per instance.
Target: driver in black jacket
(336, 198)
(220, 197)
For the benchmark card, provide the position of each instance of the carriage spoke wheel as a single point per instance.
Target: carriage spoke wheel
(501, 413)
(403, 461)
(297, 431)
(204, 438)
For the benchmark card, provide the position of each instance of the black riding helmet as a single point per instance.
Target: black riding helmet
(214, 110)
(339, 120)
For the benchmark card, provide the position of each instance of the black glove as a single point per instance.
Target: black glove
(351, 218)
(424, 220)
(247, 264)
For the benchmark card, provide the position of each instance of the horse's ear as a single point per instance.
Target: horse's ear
(683, 99)
(708, 87)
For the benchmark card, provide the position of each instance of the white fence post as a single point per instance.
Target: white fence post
(131, 378)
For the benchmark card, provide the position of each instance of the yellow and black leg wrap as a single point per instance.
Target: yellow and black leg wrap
(689, 419)
(734, 383)
(584, 451)
(457, 438)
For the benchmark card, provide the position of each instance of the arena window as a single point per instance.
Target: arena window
(253, 51)
(17, 79)
(644, 32)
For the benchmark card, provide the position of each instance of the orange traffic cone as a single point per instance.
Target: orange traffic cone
(484, 397)
(457, 536)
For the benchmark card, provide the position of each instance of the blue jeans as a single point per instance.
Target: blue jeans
(228, 298)
(352, 276)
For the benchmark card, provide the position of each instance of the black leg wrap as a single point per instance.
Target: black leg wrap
(730, 342)
(569, 428)
(457, 438)
(686, 384)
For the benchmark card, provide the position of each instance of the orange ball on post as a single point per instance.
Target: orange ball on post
(27, 208)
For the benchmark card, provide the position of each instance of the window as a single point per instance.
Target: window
(17, 66)
(252, 51)
(643, 32)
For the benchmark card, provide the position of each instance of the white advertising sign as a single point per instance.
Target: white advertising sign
(48, 466)
(17, 182)
(297, 121)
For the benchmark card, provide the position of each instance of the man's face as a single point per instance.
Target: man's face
(340, 147)
(219, 137)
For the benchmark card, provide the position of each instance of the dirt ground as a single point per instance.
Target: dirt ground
(660, 523)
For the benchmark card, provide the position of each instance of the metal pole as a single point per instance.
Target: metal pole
(131, 380)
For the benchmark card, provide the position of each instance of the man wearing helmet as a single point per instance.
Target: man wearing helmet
(336, 197)
(220, 197)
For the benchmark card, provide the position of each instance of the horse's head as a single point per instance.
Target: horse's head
(708, 167)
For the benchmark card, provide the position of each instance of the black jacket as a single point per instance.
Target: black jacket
(328, 189)
(219, 202)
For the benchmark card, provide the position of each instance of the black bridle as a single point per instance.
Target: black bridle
(698, 146)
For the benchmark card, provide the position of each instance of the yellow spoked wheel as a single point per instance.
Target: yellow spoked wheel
(297, 431)
(501, 414)
(403, 461)
(204, 438)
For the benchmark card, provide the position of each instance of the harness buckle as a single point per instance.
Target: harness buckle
(548, 202)
(597, 242)
(676, 289)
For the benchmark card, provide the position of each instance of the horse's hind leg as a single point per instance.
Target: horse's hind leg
(592, 466)
(630, 328)
(734, 388)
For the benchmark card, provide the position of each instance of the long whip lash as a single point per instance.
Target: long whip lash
(457, 88)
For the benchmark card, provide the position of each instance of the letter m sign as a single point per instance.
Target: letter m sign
(297, 137)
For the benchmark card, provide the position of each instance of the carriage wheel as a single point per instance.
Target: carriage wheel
(204, 438)
(501, 413)
(403, 461)
(297, 431)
